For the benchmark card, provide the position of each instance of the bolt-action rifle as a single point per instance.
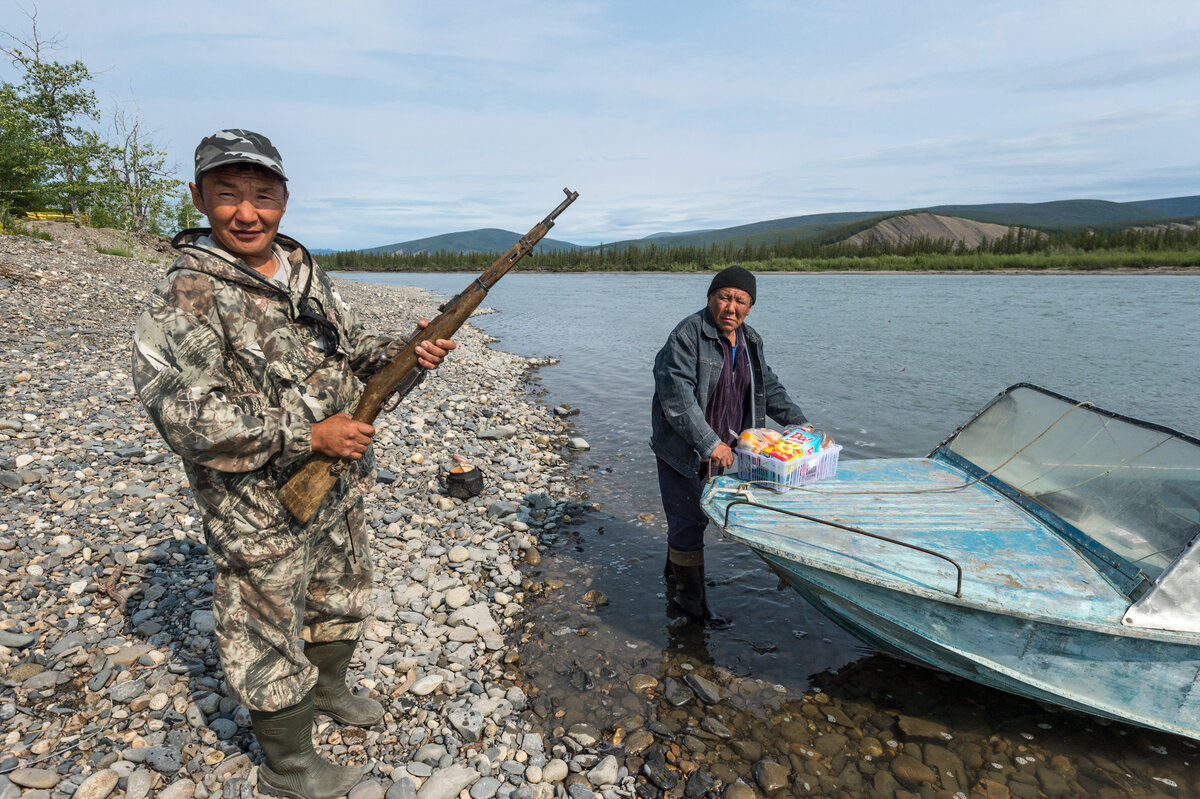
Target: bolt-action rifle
(307, 488)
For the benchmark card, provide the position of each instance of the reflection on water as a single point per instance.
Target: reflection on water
(889, 365)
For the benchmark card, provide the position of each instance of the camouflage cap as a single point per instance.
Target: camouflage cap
(237, 146)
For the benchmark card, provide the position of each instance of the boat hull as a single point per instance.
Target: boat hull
(1122, 677)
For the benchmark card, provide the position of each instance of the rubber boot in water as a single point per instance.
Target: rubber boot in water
(690, 594)
(291, 766)
(331, 696)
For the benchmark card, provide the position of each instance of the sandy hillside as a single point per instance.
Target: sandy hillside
(914, 226)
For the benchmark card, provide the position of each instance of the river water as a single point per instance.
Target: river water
(888, 364)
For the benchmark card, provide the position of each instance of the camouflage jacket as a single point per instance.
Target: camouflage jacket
(233, 373)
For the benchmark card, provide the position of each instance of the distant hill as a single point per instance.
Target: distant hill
(788, 229)
(832, 227)
(668, 235)
(1174, 207)
(829, 228)
(1058, 215)
(923, 224)
(484, 240)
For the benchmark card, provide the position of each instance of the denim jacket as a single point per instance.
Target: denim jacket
(685, 373)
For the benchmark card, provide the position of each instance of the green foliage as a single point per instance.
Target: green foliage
(22, 155)
(183, 211)
(53, 158)
(1019, 248)
(13, 225)
(60, 104)
(124, 252)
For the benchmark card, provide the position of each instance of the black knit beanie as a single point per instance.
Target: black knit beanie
(735, 276)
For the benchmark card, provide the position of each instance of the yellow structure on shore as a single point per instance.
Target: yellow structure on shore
(53, 217)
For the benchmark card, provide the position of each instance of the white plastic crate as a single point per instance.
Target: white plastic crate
(780, 475)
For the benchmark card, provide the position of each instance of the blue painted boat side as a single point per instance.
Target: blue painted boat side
(1012, 562)
(1128, 678)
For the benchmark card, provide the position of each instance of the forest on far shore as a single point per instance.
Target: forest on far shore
(1019, 248)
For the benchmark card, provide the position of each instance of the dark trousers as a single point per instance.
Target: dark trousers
(681, 505)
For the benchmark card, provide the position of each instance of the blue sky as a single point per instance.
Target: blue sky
(399, 120)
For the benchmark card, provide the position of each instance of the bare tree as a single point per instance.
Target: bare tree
(138, 174)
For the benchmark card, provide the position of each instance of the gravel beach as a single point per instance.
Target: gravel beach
(505, 674)
(111, 684)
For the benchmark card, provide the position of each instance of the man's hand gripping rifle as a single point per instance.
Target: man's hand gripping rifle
(307, 488)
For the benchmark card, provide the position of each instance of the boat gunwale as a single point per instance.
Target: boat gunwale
(945, 596)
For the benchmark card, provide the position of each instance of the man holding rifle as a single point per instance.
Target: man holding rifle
(247, 360)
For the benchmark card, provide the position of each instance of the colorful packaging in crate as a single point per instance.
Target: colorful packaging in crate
(802, 456)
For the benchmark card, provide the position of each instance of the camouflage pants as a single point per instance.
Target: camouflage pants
(317, 593)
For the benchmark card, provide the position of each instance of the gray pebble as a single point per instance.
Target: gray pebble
(45, 681)
(498, 433)
(181, 789)
(97, 785)
(195, 716)
(202, 621)
(127, 691)
(16, 640)
(447, 783)
(367, 789)
(469, 723)
(138, 784)
(402, 788)
(224, 728)
(34, 777)
(164, 759)
(605, 772)
(136, 755)
(706, 691)
(485, 788)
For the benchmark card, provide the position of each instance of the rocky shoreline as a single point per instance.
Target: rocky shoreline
(111, 684)
(505, 673)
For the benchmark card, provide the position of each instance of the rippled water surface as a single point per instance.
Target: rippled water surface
(887, 364)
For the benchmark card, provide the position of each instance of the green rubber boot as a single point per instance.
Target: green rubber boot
(331, 696)
(292, 768)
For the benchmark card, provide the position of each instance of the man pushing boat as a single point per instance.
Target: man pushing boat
(711, 381)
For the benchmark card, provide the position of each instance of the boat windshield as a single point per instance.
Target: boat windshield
(1133, 487)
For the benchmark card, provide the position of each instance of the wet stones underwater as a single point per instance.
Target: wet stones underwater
(487, 644)
(876, 728)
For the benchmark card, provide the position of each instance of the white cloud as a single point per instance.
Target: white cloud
(403, 120)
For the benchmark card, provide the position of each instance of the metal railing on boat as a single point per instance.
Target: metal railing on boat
(848, 528)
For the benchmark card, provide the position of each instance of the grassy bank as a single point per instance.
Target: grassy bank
(1018, 249)
(1092, 260)
(987, 262)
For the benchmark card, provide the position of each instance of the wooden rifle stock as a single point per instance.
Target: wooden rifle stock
(308, 487)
